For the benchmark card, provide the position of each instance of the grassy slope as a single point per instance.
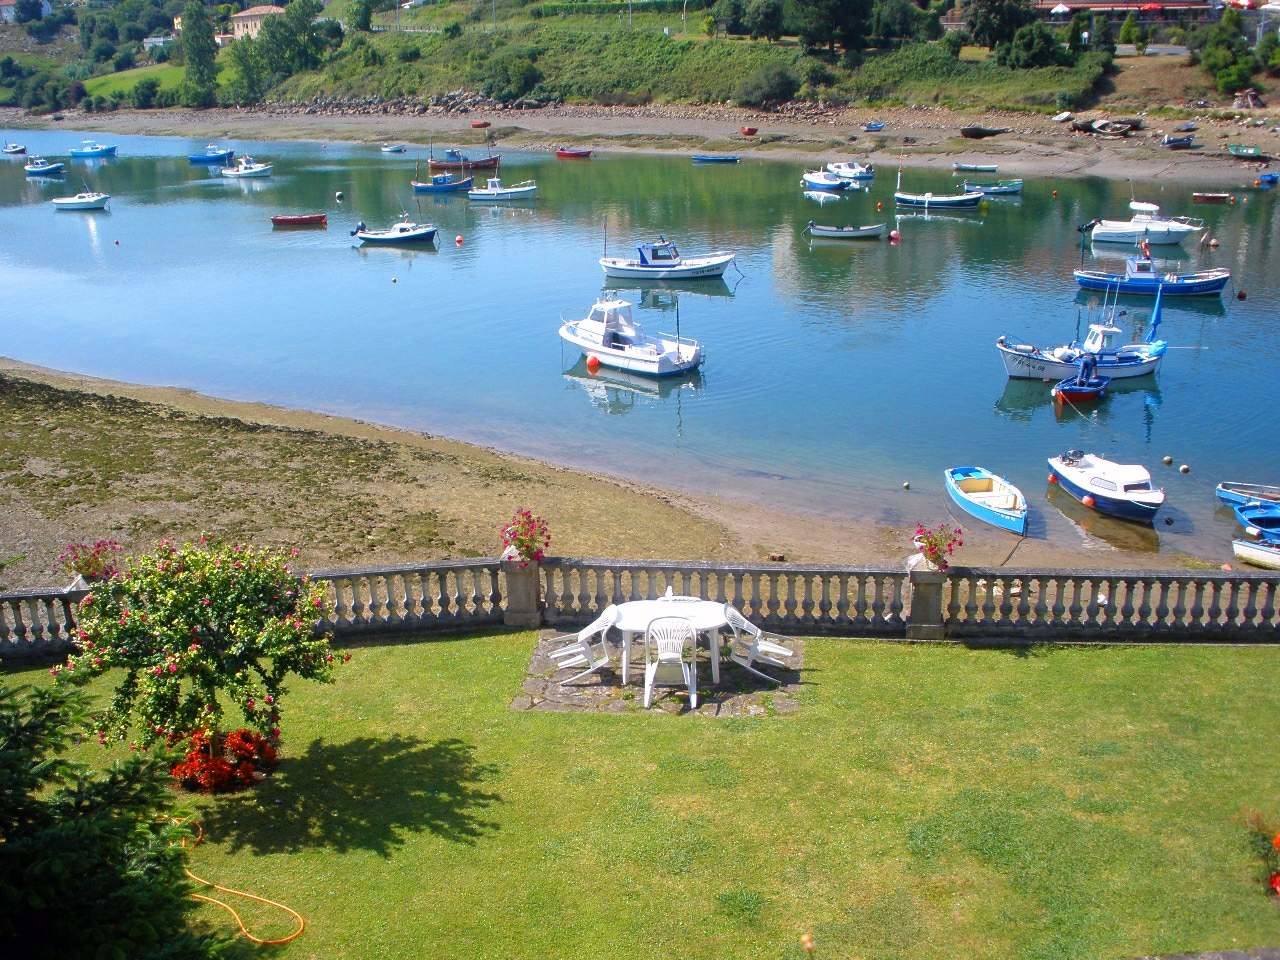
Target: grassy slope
(925, 802)
(169, 75)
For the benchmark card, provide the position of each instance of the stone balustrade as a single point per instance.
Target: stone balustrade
(973, 604)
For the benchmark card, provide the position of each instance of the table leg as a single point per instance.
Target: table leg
(715, 656)
(626, 655)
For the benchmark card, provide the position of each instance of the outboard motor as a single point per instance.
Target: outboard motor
(359, 227)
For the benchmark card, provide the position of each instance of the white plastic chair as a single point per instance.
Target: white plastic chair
(759, 646)
(579, 652)
(665, 665)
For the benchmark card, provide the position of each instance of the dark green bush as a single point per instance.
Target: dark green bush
(144, 93)
(772, 83)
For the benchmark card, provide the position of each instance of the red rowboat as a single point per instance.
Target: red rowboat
(479, 124)
(300, 220)
(747, 131)
(572, 153)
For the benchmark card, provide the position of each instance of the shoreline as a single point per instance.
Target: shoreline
(591, 514)
(914, 138)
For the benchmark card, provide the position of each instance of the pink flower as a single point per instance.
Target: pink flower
(316, 602)
(294, 552)
(173, 668)
(205, 602)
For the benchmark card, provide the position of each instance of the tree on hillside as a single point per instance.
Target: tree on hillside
(1032, 46)
(1225, 53)
(1129, 29)
(361, 15)
(830, 22)
(199, 88)
(250, 82)
(25, 11)
(290, 43)
(1076, 31)
(1103, 38)
(993, 22)
(763, 18)
(893, 20)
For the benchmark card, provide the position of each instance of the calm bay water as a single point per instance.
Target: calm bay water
(835, 370)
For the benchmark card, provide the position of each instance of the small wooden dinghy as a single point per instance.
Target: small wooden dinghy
(1177, 143)
(991, 498)
(1080, 389)
(1230, 491)
(870, 232)
(975, 167)
(1245, 151)
(573, 153)
(1261, 520)
(300, 220)
(1258, 554)
(1202, 197)
(873, 126)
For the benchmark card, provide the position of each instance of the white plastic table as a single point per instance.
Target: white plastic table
(707, 617)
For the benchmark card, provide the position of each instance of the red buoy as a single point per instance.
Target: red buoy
(1087, 500)
(1241, 295)
(458, 239)
(879, 205)
(1055, 194)
(593, 363)
(894, 236)
(1053, 478)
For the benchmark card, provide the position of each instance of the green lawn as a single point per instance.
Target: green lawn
(925, 802)
(169, 76)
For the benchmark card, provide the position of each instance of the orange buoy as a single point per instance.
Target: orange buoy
(593, 363)
(1231, 199)
(1226, 567)
(1055, 194)
(879, 205)
(1087, 500)
(1053, 478)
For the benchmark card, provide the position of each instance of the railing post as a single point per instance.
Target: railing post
(524, 603)
(926, 605)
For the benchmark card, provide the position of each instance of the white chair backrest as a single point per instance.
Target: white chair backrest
(738, 623)
(669, 635)
(601, 624)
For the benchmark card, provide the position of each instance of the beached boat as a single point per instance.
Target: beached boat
(494, 190)
(981, 133)
(1111, 128)
(392, 148)
(405, 231)
(991, 498)
(90, 149)
(1027, 362)
(212, 154)
(40, 167)
(1257, 553)
(457, 160)
(661, 260)
(714, 158)
(1260, 520)
(246, 166)
(1062, 117)
(13, 149)
(1140, 278)
(1204, 197)
(573, 153)
(822, 180)
(975, 167)
(873, 126)
(1121, 490)
(1145, 224)
(479, 124)
(1245, 151)
(89, 200)
(870, 232)
(300, 220)
(1240, 494)
(852, 170)
(442, 183)
(999, 188)
(1268, 179)
(1177, 143)
(611, 336)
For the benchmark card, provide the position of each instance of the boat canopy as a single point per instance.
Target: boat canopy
(1141, 267)
(611, 319)
(1099, 338)
(1139, 206)
(659, 253)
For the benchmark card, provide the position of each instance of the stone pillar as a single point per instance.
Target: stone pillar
(926, 605)
(524, 599)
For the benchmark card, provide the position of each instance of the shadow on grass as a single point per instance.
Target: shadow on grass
(366, 794)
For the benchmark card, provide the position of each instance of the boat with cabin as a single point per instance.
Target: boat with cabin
(823, 180)
(442, 183)
(246, 166)
(610, 336)
(92, 150)
(872, 231)
(661, 260)
(457, 160)
(1141, 278)
(852, 170)
(1239, 494)
(1260, 520)
(1257, 553)
(404, 231)
(13, 149)
(1121, 490)
(40, 167)
(494, 190)
(997, 189)
(88, 200)
(1146, 224)
(988, 497)
(212, 154)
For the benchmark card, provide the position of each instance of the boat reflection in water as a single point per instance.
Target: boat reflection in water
(1121, 534)
(663, 294)
(617, 391)
(1200, 306)
(1022, 398)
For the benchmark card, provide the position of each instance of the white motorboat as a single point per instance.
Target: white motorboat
(494, 190)
(88, 200)
(852, 170)
(1145, 224)
(13, 149)
(1120, 490)
(393, 148)
(823, 180)
(404, 231)
(661, 260)
(609, 336)
(870, 232)
(246, 166)
(1259, 553)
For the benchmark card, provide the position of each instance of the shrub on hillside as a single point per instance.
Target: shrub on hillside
(772, 83)
(511, 75)
(1033, 46)
(144, 93)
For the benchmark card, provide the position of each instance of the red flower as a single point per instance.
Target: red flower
(1275, 842)
(1274, 883)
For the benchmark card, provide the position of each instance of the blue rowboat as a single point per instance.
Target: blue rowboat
(1270, 179)
(714, 158)
(212, 154)
(1140, 278)
(1086, 386)
(1177, 143)
(1241, 494)
(1261, 520)
(939, 201)
(1121, 490)
(873, 126)
(998, 188)
(442, 183)
(89, 150)
(992, 499)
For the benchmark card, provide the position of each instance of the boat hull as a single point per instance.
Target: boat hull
(1211, 283)
(1122, 232)
(565, 153)
(512, 193)
(1118, 507)
(75, 203)
(993, 189)
(52, 170)
(1075, 392)
(963, 201)
(380, 238)
(301, 220)
(1265, 555)
(235, 173)
(1037, 366)
(1240, 494)
(484, 163)
(81, 153)
(225, 156)
(457, 186)
(1012, 518)
(975, 167)
(690, 268)
(705, 158)
(871, 232)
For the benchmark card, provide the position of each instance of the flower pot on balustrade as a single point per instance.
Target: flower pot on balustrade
(524, 594)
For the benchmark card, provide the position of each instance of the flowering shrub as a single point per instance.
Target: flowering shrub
(193, 628)
(937, 545)
(1266, 842)
(94, 563)
(525, 538)
(216, 763)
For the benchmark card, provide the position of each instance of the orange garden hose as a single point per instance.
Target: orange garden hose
(244, 930)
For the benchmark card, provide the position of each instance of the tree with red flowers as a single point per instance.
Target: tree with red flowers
(196, 630)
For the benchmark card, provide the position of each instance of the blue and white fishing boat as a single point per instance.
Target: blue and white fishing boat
(661, 260)
(936, 201)
(823, 180)
(998, 188)
(990, 498)
(442, 183)
(212, 154)
(1120, 490)
(392, 148)
(1260, 520)
(1117, 361)
(494, 190)
(1269, 179)
(405, 231)
(715, 158)
(1140, 278)
(90, 149)
(1242, 494)
(852, 170)
(40, 167)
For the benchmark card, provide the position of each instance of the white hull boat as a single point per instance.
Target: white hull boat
(611, 338)
(494, 190)
(82, 201)
(852, 170)
(661, 260)
(247, 167)
(1257, 553)
(870, 232)
(403, 232)
(823, 180)
(1146, 224)
(1121, 490)
(393, 148)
